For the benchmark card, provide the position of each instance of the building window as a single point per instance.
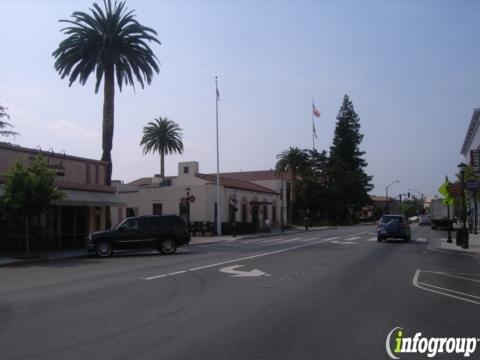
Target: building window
(274, 214)
(157, 209)
(244, 213)
(130, 212)
(185, 169)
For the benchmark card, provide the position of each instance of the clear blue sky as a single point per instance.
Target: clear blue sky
(410, 68)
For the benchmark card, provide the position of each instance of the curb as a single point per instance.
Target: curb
(40, 260)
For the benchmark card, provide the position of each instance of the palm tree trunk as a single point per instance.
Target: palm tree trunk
(108, 115)
(162, 164)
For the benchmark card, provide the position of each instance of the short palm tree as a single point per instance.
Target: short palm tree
(110, 43)
(293, 162)
(165, 137)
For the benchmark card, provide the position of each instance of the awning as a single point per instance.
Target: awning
(90, 198)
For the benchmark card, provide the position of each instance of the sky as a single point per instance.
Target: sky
(409, 67)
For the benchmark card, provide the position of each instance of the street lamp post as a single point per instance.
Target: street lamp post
(462, 167)
(386, 195)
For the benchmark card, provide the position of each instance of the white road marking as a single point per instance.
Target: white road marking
(311, 239)
(269, 241)
(372, 239)
(428, 287)
(236, 260)
(352, 238)
(239, 273)
(343, 242)
(330, 239)
(289, 240)
(421, 240)
(453, 276)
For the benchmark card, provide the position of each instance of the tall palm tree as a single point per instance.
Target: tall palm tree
(165, 137)
(293, 161)
(110, 43)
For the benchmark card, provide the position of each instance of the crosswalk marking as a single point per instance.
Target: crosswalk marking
(311, 239)
(288, 240)
(352, 238)
(372, 239)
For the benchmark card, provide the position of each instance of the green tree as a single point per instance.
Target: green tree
(163, 136)
(29, 191)
(292, 162)
(409, 208)
(348, 181)
(4, 124)
(313, 193)
(111, 43)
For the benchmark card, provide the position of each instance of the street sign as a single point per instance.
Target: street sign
(191, 199)
(472, 185)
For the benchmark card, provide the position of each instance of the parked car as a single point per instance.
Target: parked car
(393, 226)
(164, 233)
(424, 220)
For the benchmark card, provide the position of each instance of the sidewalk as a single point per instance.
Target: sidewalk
(63, 254)
(473, 244)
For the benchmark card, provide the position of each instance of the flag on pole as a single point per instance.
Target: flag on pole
(218, 95)
(316, 112)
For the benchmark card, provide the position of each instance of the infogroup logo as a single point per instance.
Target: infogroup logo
(397, 343)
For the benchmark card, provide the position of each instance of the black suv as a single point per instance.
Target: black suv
(164, 233)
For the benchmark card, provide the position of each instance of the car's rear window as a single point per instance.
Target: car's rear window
(386, 219)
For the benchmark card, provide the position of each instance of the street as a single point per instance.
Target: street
(330, 294)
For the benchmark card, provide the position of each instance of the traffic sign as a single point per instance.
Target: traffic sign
(191, 199)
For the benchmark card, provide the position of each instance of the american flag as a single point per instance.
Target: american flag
(316, 112)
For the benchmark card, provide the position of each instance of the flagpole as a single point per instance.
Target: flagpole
(218, 219)
(313, 124)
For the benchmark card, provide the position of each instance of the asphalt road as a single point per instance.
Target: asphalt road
(331, 294)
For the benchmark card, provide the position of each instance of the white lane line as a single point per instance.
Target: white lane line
(372, 239)
(451, 273)
(352, 238)
(233, 260)
(421, 240)
(423, 287)
(289, 240)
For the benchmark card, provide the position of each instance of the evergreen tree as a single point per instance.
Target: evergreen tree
(4, 124)
(348, 182)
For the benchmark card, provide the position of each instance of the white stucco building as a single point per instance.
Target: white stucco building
(257, 195)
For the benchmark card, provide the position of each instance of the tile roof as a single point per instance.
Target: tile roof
(251, 175)
(235, 183)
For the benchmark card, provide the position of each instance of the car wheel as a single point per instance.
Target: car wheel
(168, 246)
(104, 249)
(379, 238)
(408, 238)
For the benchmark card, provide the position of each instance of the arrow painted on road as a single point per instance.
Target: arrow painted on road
(239, 273)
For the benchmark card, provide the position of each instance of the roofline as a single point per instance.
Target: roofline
(15, 147)
(472, 129)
